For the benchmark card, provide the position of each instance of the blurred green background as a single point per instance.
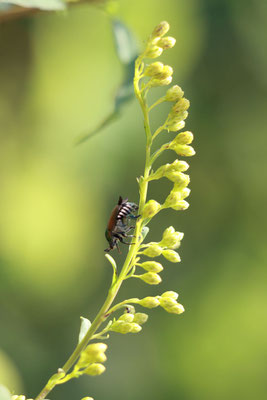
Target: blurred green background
(58, 77)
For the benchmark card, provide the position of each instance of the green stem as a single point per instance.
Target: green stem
(133, 251)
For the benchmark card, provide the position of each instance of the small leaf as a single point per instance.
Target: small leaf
(41, 4)
(144, 231)
(114, 266)
(4, 393)
(85, 325)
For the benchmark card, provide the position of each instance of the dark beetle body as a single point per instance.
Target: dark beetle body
(118, 228)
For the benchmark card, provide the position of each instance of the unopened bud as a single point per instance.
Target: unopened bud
(171, 256)
(182, 193)
(152, 266)
(154, 250)
(127, 317)
(95, 369)
(161, 82)
(179, 178)
(135, 328)
(140, 318)
(121, 327)
(166, 42)
(176, 309)
(161, 29)
(87, 398)
(173, 199)
(154, 69)
(184, 138)
(181, 205)
(170, 294)
(153, 52)
(165, 73)
(160, 172)
(167, 302)
(151, 208)
(174, 93)
(149, 302)
(171, 238)
(179, 166)
(183, 149)
(181, 105)
(96, 348)
(151, 278)
(176, 126)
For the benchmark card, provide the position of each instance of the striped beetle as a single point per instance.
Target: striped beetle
(118, 228)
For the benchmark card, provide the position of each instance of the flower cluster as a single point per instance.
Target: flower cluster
(167, 301)
(91, 360)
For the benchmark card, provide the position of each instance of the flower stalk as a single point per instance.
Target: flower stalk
(85, 360)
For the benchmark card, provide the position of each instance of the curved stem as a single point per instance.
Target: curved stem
(105, 310)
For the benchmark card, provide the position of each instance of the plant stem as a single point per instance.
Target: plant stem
(133, 251)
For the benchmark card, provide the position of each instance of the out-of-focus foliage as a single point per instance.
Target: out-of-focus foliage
(58, 77)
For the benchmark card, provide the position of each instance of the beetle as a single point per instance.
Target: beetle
(118, 228)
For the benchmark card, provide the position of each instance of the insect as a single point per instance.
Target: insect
(118, 228)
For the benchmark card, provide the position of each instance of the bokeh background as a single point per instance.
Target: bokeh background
(58, 76)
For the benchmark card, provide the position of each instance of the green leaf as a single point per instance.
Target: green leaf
(125, 42)
(126, 49)
(41, 4)
(85, 325)
(4, 393)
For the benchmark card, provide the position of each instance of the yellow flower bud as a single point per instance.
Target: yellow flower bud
(181, 105)
(154, 250)
(179, 166)
(170, 294)
(165, 73)
(135, 328)
(160, 172)
(183, 193)
(184, 138)
(127, 317)
(153, 52)
(151, 208)
(181, 205)
(154, 69)
(183, 149)
(174, 93)
(176, 126)
(87, 398)
(171, 239)
(167, 302)
(95, 369)
(173, 199)
(179, 178)
(121, 327)
(93, 353)
(161, 29)
(96, 348)
(152, 266)
(167, 42)
(171, 256)
(151, 278)
(177, 309)
(149, 302)
(160, 82)
(140, 318)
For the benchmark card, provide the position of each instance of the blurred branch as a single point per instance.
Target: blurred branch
(15, 12)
